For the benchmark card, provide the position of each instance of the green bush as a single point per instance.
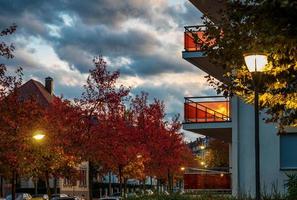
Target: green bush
(202, 197)
(291, 184)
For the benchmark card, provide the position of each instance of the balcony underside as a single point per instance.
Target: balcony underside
(211, 8)
(218, 130)
(202, 62)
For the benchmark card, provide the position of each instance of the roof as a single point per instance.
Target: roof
(36, 89)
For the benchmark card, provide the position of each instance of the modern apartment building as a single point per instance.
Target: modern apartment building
(232, 120)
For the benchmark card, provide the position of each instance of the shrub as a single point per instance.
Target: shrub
(291, 184)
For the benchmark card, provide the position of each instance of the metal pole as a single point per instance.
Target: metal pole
(257, 145)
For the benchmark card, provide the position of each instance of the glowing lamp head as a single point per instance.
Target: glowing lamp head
(255, 62)
(182, 169)
(222, 175)
(202, 147)
(38, 136)
(202, 163)
(139, 156)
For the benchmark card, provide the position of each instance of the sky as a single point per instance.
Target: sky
(141, 38)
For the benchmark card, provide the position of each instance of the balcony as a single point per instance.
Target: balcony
(194, 39)
(209, 116)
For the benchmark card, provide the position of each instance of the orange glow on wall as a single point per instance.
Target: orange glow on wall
(207, 181)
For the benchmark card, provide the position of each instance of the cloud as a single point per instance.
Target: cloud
(142, 39)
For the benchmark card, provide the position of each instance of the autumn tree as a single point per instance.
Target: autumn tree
(257, 26)
(215, 155)
(17, 118)
(59, 154)
(162, 140)
(100, 98)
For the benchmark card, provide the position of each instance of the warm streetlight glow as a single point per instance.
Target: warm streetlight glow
(222, 175)
(202, 163)
(38, 135)
(202, 147)
(255, 62)
(182, 169)
(139, 156)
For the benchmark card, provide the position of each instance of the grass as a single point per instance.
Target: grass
(200, 197)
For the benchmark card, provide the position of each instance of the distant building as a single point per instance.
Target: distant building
(198, 146)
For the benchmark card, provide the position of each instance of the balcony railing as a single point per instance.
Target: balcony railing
(206, 109)
(194, 38)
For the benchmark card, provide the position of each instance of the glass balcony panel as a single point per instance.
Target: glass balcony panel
(194, 38)
(206, 111)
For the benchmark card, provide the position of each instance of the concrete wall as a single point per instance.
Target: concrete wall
(243, 159)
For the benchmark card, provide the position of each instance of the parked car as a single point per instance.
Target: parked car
(19, 196)
(149, 192)
(110, 198)
(57, 196)
(117, 194)
(76, 198)
(39, 197)
(63, 198)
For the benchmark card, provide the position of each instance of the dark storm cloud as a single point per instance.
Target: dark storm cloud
(97, 30)
(78, 45)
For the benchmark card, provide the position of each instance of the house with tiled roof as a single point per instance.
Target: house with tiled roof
(44, 94)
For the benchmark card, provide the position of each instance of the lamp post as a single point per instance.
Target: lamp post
(38, 136)
(256, 63)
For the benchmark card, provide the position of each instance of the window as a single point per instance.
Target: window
(83, 178)
(68, 182)
(288, 156)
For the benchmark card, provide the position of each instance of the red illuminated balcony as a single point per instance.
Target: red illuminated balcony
(194, 41)
(209, 116)
(206, 109)
(194, 38)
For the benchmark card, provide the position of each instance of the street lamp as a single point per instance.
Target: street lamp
(38, 136)
(139, 156)
(202, 147)
(255, 64)
(182, 169)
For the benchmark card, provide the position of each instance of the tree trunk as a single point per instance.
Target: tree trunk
(13, 185)
(120, 176)
(55, 186)
(125, 187)
(90, 180)
(36, 185)
(169, 182)
(1, 186)
(151, 178)
(109, 183)
(143, 186)
(47, 184)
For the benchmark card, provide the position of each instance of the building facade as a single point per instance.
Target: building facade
(232, 120)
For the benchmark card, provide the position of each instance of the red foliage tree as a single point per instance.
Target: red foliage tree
(101, 102)
(17, 117)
